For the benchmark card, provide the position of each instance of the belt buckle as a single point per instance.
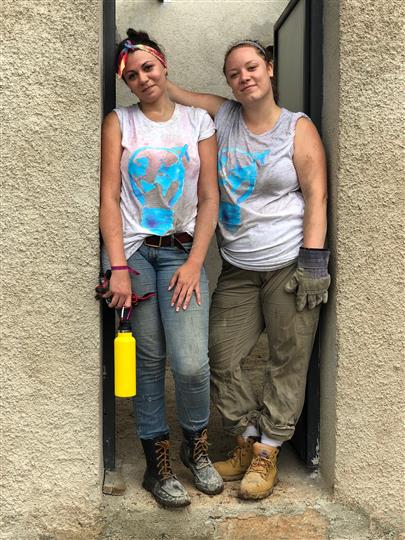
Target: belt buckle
(153, 245)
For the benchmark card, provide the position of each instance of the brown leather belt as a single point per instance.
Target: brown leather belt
(173, 240)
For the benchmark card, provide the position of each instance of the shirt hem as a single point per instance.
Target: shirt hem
(243, 266)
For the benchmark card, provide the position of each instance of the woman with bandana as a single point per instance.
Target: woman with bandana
(159, 207)
(271, 234)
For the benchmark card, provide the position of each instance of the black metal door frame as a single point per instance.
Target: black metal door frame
(107, 314)
(306, 437)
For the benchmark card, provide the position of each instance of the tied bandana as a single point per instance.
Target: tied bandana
(129, 46)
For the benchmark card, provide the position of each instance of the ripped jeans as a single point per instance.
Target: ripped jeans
(162, 332)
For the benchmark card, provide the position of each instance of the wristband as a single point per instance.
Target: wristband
(314, 261)
(128, 268)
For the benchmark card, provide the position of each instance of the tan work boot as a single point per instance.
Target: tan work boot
(261, 476)
(239, 460)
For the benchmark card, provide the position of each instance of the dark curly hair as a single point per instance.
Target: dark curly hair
(137, 38)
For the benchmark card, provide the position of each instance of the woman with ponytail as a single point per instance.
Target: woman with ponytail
(271, 234)
(159, 206)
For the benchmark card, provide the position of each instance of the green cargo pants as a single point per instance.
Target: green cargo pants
(243, 305)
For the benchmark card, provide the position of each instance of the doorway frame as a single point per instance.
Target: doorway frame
(306, 437)
(107, 314)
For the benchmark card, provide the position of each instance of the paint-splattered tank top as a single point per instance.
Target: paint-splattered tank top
(261, 208)
(160, 167)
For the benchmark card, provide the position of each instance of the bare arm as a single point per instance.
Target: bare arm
(310, 163)
(110, 214)
(210, 102)
(186, 279)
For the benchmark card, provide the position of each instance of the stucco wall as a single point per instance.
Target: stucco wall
(196, 33)
(363, 122)
(50, 361)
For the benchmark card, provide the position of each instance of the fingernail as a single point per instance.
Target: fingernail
(169, 289)
(185, 307)
(177, 309)
(172, 304)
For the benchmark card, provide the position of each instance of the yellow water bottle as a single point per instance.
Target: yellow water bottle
(124, 361)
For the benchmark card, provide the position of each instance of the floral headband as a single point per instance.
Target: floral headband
(129, 46)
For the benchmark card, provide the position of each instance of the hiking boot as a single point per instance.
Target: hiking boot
(239, 460)
(261, 476)
(194, 455)
(159, 478)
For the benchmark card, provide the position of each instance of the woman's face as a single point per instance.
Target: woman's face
(145, 76)
(248, 75)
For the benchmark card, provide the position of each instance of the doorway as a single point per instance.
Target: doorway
(300, 18)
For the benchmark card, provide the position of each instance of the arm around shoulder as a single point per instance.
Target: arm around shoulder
(210, 102)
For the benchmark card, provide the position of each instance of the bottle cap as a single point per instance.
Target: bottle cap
(125, 325)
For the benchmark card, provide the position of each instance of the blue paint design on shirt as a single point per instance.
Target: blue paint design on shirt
(158, 220)
(229, 215)
(240, 178)
(245, 173)
(170, 175)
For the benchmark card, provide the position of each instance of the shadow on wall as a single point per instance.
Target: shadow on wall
(194, 36)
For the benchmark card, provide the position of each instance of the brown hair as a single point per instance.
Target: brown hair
(267, 53)
(260, 49)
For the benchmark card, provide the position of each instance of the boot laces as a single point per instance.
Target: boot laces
(263, 464)
(200, 451)
(236, 455)
(163, 461)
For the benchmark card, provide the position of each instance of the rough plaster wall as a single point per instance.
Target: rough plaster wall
(196, 33)
(51, 432)
(368, 240)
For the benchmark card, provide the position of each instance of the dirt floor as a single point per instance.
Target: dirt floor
(299, 509)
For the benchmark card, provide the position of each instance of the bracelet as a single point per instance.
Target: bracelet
(128, 268)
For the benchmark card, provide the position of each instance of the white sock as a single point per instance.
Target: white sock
(250, 431)
(271, 442)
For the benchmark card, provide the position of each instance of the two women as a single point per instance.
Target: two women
(271, 234)
(159, 207)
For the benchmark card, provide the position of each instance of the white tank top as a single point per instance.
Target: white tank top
(160, 168)
(262, 208)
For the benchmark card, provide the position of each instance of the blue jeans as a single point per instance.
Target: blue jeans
(162, 332)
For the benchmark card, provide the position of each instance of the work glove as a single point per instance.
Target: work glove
(311, 279)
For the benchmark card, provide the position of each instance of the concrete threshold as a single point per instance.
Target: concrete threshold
(299, 508)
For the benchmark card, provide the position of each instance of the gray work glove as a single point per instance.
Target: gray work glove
(311, 279)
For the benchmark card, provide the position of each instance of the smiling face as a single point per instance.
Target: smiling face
(145, 76)
(248, 74)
